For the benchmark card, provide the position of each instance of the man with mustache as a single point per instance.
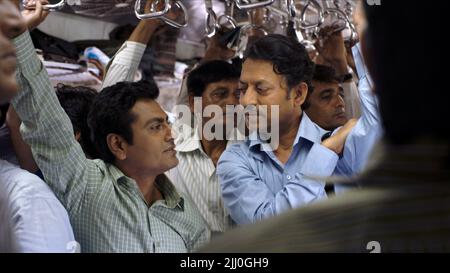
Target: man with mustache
(213, 84)
(325, 101)
(404, 200)
(260, 181)
(122, 202)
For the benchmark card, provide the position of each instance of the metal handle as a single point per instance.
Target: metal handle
(303, 14)
(211, 19)
(242, 47)
(228, 19)
(348, 24)
(151, 15)
(49, 7)
(340, 15)
(229, 7)
(256, 5)
(176, 24)
(56, 6)
(291, 9)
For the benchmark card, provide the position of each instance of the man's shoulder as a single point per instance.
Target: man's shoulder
(15, 179)
(239, 148)
(241, 152)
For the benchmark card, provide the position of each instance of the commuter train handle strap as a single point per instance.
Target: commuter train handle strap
(321, 17)
(342, 16)
(227, 19)
(153, 14)
(241, 5)
(211, 19)
(160, 14)
(174, 23)
(49, 7)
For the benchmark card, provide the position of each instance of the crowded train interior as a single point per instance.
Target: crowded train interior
(219, 126)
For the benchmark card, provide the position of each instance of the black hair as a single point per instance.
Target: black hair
(210, 72)
(76, 102)
(402, 82)
(322, 73)
(288, 56)
(111, 113)
(3, 110)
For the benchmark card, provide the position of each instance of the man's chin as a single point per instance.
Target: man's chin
(336, 125)
(174, 162)
(341, 121)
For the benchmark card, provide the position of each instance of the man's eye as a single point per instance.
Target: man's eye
(156, 127)
(261, 89)
(220, 94)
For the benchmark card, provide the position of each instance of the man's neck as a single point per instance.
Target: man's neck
(146, 184)
(214, 148)
(288, 133)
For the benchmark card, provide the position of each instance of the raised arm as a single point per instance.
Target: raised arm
(125, 63)
(332, 52)
(368, 129)
(47, 129)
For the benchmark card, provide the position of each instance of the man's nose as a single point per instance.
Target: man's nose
(170, 133)
(248, 98)
(339, 102)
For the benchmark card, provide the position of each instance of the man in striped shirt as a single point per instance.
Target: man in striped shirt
(404, 202)
(213, 83)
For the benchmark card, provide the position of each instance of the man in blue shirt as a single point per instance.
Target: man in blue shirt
(258, 182)
(403, 204)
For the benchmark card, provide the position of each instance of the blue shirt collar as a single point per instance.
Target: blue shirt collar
(307, 130)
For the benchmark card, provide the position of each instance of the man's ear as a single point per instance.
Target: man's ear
(299, 94)
(117, 145)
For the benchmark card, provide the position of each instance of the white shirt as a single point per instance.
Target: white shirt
(6, 151)
(195, 175)
(7, 238)
(125, 63)
(37, 220)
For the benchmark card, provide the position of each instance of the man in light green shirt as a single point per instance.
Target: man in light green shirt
(123, 202)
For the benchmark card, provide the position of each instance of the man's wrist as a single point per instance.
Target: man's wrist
(340, 65)
(330, 145)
